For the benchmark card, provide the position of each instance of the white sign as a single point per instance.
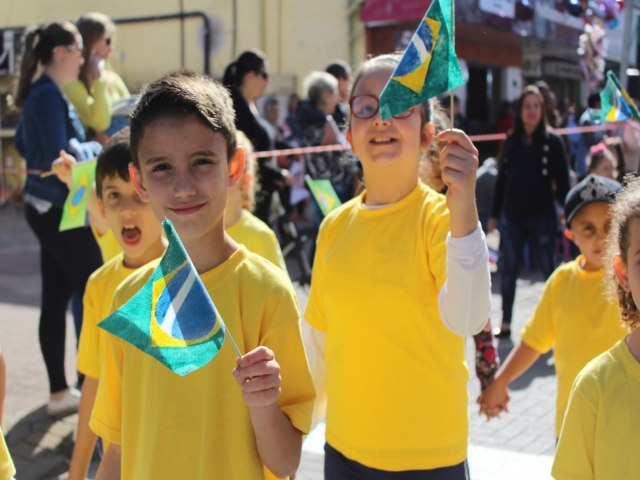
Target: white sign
(502, 8)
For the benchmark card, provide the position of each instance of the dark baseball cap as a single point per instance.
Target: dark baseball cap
(593, 188)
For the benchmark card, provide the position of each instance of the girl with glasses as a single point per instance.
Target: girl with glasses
(400, 278)
(97, 88)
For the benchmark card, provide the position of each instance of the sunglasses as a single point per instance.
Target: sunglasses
(366, 106)
(264, 75)
(108, 41)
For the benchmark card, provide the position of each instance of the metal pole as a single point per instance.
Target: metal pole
(626, 42)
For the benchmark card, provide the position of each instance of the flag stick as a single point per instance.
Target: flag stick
(233, 342)
(453, 42)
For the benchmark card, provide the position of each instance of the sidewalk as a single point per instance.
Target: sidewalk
(518, 445)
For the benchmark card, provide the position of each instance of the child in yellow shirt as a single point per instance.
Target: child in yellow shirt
(234, 416)
(241, 225)
(139, 234)
(572, 302)
(599, 438)
(400, 277)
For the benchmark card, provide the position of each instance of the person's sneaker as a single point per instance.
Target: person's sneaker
(69, 403)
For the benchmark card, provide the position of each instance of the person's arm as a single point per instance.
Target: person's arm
(51, 122)
(3, 379)
(496, 396)
(94, 108)
(85, 439)
(279, 442)
(465, 298)
(560, 169)
(110, 465)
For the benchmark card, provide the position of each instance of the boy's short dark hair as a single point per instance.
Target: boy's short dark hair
(180, 94)
(114, 159)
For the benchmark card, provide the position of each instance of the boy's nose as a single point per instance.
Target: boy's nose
(183, 185)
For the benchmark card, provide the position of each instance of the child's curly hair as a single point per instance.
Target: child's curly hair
(625, 208)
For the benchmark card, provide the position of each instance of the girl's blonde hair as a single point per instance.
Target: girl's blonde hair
(625, 209)
(249, 179)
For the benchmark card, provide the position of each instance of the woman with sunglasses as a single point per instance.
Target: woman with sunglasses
(247, 79)
(97, 88)
(47, 125)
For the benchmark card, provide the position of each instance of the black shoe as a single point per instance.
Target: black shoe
(502, 333)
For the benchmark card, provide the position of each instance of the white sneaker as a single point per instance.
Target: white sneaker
(69, 403)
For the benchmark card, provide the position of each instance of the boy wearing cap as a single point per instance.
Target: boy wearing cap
(573, 317)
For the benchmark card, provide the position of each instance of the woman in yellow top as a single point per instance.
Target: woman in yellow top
(97, 87)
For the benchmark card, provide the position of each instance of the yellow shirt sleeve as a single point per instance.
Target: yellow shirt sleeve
(574, 455)
(7, 469)
(88, 346)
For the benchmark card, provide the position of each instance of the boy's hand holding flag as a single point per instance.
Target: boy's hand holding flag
(172, 317)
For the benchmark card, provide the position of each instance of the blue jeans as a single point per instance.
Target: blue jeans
(540, 232)
(339, 467)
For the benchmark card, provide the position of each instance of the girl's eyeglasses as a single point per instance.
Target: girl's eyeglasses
(107, 41)
(366, 106)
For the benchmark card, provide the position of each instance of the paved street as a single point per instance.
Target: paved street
(518, 445)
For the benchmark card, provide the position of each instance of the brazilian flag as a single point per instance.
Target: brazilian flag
(616, 105)
(429, 66)
(172, 317)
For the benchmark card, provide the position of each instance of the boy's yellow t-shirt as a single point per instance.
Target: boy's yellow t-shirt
(98, 295)
(109, 246)
(599, 438)
(574, 318)
(198, 426)
(396, 378)
(256, 235)
(7, 469)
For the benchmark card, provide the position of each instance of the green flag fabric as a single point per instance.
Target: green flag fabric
(74, 211)
(172, 317)
(324, 194)
(429, 66)
(616, 105)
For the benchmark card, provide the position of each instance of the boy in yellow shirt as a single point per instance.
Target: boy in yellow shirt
(139, 234)
(599, 438)
(573, 317)
(211, 423)
(243, 226)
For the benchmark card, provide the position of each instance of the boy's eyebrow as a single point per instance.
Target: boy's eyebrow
(200, 153)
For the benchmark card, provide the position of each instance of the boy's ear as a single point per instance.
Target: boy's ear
(138, 184)
(236, 167)
(428, 132)
(568, 234)
(349, 139)
(621, 272)
(100, 204)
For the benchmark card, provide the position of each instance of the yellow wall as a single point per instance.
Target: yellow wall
(297, 35)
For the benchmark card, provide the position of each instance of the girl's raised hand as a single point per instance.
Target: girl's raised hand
(459, 163)
(62, 166)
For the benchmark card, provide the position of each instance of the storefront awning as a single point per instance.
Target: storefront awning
(381, 12)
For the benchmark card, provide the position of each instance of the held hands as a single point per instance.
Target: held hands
(494, 400)
(258, 374)
(459, 163)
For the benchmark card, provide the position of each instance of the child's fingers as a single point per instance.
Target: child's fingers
(259, 369)
(263, 382)
(458, 137)
(259, 354)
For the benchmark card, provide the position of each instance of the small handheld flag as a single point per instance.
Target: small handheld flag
(429, 66)
(74, 211)
(616, 104)
(324, 194)
(172, 317)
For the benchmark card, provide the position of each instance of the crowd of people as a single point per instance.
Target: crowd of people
(400, 274)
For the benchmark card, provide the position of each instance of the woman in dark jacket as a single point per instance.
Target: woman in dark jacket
(48, 124)
(247, 79)
(532, 173)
